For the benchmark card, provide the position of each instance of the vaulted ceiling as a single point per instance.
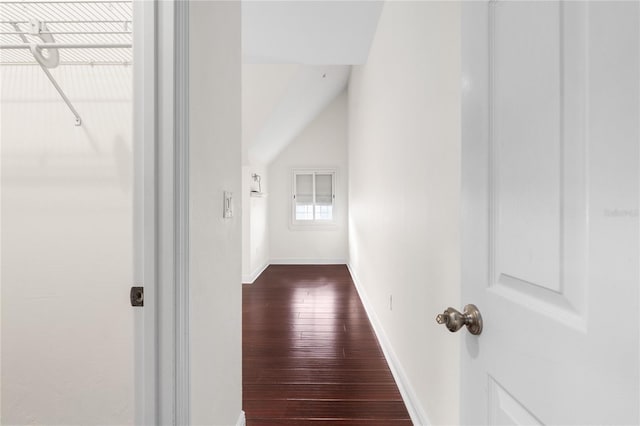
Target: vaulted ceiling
(296, 60)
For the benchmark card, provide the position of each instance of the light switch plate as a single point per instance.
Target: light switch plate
(228, 205)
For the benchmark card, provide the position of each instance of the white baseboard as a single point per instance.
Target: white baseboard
(417, 413)
(241, 419)
(300, 261)
(249, 279)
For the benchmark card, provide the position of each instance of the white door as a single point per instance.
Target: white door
(550, 212)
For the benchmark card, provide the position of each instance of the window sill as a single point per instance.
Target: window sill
(315, 226)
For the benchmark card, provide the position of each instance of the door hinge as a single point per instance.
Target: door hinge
(137, 296)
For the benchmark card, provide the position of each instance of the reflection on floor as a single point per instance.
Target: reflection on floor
(310, 355)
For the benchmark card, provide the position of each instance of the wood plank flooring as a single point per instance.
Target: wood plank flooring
(310, 355)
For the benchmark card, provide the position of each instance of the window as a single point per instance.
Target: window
(313, 196)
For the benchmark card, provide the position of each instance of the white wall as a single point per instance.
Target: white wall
(215, 243)
(308, 92)
(67, 326)
(255, 235)
(263, 87)
(404, 188)
(323, 144)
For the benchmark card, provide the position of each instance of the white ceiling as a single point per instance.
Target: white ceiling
(296, 60)
(309, 32)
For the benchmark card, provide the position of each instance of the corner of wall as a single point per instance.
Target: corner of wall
(255, 230)
(321, 145)
(215, 242)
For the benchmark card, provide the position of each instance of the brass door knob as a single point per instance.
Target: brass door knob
(454, 320)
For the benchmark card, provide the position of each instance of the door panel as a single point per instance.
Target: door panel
(550, 201)
(504, 409)
(537, 155)
(525, 144)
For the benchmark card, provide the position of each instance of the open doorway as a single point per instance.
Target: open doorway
(67, 212)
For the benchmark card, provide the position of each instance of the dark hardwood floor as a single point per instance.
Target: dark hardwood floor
(310, 355)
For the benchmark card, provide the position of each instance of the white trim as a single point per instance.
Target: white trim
(181, 165)
(249, 279)
(146, 380)
(315, 226)
(241, 419)
(166, 193)
(416, 412)
(159, 212)
(303, 261)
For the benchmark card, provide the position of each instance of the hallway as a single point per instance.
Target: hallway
(310, 354)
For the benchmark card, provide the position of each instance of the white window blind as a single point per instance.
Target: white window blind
(304, 188)
(313, 196)
(324, 189)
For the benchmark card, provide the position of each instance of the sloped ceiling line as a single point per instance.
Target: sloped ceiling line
(311, 89)
(297, 58)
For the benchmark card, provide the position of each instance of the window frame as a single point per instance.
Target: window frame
(314, 223)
